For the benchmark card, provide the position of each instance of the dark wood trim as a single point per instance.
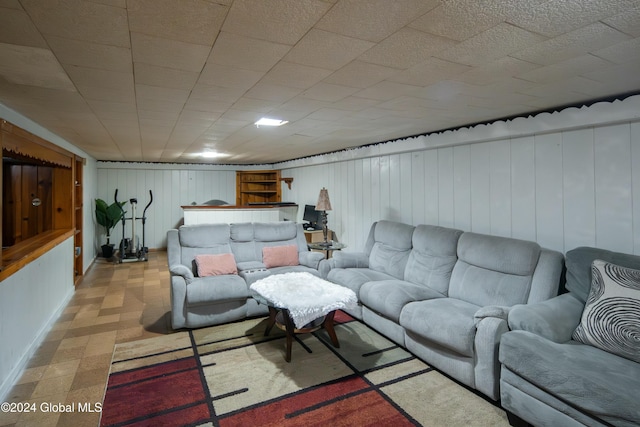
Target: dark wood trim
(21, 254)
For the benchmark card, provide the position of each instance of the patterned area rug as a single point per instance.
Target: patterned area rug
(232, 375)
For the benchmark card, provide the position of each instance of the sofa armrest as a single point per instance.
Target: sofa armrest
(341, 259)
(497, 311)
(182, 270)
(554, 319)
(310, 259)
(489, 331)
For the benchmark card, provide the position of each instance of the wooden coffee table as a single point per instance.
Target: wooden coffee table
(289, 294)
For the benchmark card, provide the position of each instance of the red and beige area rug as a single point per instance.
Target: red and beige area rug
(232, 375)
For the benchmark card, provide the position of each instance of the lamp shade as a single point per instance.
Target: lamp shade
(324, 204)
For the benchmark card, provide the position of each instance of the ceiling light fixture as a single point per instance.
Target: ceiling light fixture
(212, 154)
(270, 122)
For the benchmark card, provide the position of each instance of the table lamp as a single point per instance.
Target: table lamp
(324, 205)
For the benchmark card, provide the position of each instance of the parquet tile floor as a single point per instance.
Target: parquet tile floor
(114, 303)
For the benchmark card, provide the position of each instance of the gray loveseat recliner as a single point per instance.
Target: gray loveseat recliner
(445, 294)
(547, 378)
(202, 301)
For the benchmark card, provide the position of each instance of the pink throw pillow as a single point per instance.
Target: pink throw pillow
(216, 265)
(280, 256)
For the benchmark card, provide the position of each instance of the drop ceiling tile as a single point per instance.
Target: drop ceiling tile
(16, 28)
(216, 93)
(254, 105)
(621, 53)
(116, 95)
(32, 66)
(462, 19)
(80, 20)
(274, 93)
(91, 55)
(327, 114)
(373, 20)
(189, 21)
(161, 93)
(207, 106)
(386, 90)
(553, 18)
(565, 69)
(618, 79)
(294, 75)
(328, 92)
(360, 74)
(238, 51)
(168, 53)
(627, 22)
(492, 44)
(429, 72)
(326, 50)
(354, 103)
(496, 71)
(230, 77)
(159, 106)
(279, 21)
(405, 48)
(583, 40)
(83, 76)
(152, 75)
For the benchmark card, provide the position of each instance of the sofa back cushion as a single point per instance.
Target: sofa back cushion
(579, 260)
(391, 248)
(433, 256)
(202, 239)
(493, 270)
(249, 239)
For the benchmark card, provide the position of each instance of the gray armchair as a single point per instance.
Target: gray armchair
(548, 379)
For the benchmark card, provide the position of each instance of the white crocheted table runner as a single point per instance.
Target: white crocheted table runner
(307, 297)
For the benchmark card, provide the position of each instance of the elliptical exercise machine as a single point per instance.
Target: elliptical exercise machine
(130, 249)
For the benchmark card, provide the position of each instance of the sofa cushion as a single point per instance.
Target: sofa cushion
(592, 380)
(215, 265)
(354, 278)
(280, 256)
(433, 256)
(610, 320)
(493, 270)
(205, 290)
(388, 297)
(447, 322)
(202, 239)
(578, 262)
(275, 231)
(391, 248)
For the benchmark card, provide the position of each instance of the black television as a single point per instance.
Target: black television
(312, 216)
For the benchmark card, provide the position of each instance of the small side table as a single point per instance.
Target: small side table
(328, 250)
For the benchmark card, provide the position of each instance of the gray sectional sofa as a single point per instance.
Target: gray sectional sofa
(445, 294)
(202, 301)
(550, 379)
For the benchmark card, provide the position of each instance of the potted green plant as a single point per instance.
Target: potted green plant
(108, 216)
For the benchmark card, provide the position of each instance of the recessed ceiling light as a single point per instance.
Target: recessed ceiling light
(270, 122)
(212, 154)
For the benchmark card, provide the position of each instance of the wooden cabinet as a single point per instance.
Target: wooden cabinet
(259, 186)
(78, 204)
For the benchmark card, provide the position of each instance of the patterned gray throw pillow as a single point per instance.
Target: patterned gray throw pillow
(611, 316)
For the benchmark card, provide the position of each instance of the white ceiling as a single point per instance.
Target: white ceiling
(161, 80)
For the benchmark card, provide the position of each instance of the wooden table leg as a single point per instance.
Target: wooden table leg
(328, 325)
(290, 332)
(272, 320)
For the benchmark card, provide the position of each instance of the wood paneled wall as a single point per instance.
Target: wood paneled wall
(563, 189)
(172, 188)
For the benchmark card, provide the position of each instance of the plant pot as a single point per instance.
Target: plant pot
(107, 250)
